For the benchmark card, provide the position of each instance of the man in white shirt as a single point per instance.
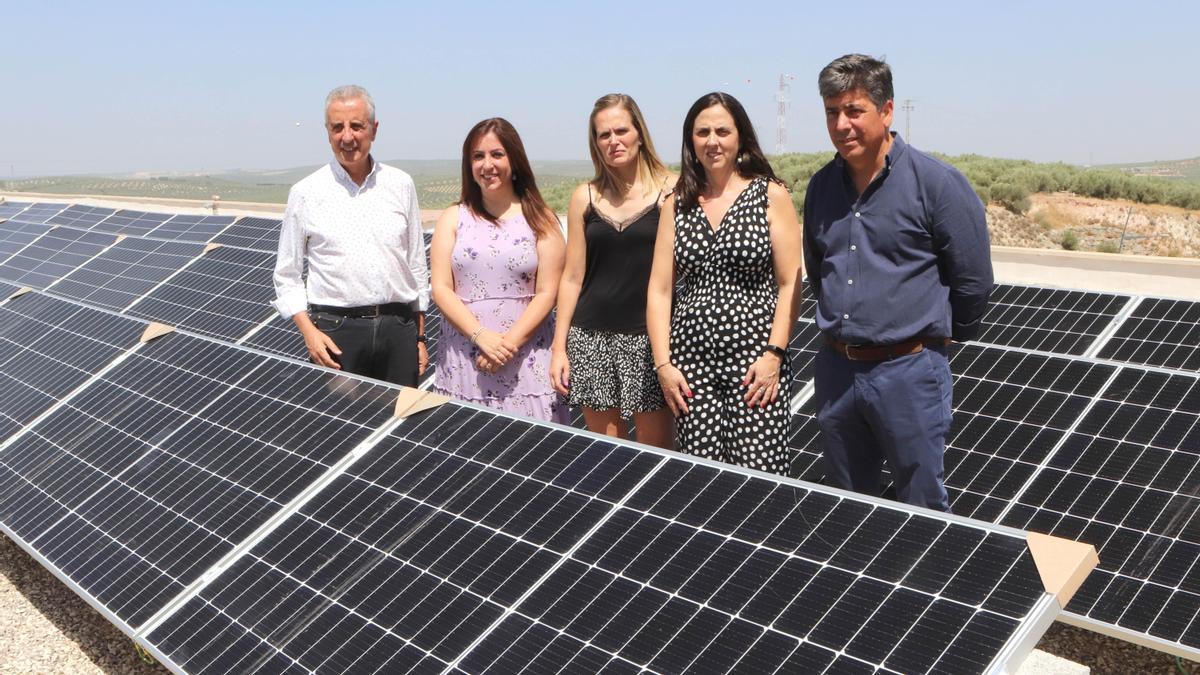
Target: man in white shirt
(357, 223)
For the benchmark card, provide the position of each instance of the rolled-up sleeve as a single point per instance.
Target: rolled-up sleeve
(290, 295)
(964, 253)
(417, 261)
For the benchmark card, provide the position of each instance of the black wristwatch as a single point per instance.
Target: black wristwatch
(777, 351)
(420, 338)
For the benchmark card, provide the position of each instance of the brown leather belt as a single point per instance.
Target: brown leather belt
(884, 352)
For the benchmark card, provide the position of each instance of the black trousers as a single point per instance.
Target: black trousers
(383, 347)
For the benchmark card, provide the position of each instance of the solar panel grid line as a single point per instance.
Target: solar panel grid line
(148, 452)
(371, 547)
(264, 530)
(40, 212)
(1046, 606)
(1161, 538)
(27, 545)
(132, 222)
(646, 585)
(194, 228)
(82, 215)
(258, 328)
(1162, 332)
(1046, 461)
(802, 396)
(65, 399)
(17, 236)
(48, 258)
(217, 275)
(565, 556)
(264, 494)
(48, 382)
(1105, 337)
(119, 276)
(520, 426)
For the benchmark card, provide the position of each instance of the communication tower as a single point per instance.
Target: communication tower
(782, 97)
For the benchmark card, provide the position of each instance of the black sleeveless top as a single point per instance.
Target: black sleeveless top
(619, 255)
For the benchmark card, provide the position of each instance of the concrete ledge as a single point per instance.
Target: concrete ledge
(1043, 663)
(1106, 272)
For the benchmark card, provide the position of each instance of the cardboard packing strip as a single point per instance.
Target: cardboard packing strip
(413, 400)
(1063, 564)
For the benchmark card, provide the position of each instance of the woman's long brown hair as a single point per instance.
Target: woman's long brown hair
(541, 220)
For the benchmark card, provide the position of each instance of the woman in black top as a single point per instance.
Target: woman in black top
(601, 357)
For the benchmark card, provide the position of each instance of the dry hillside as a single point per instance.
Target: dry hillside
(1063, 220)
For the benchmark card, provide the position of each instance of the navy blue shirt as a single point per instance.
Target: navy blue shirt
(908, 258)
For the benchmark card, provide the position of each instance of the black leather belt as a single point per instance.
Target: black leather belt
(401, 309)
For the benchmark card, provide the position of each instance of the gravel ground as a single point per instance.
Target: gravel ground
(47, 629)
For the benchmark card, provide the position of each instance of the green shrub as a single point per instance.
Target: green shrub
(1013, 197)
(1106, 247)
(1070, 240)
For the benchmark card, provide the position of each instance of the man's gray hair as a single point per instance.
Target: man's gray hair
(350, 92)
(857, 71)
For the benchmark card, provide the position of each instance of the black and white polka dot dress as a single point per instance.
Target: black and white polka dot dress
(720, 324)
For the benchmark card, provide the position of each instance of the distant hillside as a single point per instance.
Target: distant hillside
(436, 180)
(1177, 169)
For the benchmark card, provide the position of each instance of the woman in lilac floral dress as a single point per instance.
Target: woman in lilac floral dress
(496, 260)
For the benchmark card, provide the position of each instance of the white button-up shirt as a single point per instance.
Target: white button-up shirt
(363, 243)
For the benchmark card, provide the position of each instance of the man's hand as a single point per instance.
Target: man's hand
(321, 348)
(422, 358)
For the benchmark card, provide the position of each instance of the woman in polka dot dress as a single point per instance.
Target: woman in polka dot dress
(731, 235)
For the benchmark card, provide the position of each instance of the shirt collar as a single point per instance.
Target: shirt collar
(340, 173)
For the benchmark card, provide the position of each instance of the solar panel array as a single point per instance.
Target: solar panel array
(1019, 415)
(1084, 449)
(1159, 332)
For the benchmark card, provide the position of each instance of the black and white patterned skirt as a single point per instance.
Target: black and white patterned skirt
(612, 370)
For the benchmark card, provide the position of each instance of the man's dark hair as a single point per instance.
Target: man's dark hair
(857, 71)
(751, 162)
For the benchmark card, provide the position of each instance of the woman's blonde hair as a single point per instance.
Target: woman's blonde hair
(651, 169)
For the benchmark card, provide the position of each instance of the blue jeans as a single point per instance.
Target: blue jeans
(898, 410)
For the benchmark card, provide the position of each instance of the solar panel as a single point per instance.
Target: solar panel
(16, 235)
(279, 336)
(1127, 481)
(40, 212)
(1011, 409)
(472, 541)
(192, 228)
(138, 484)
(802, 351)
(225, 293)
(138, 223)
(1159, 332)
(52, 256)
(1048, 319)
(6, 290)
(129, 269)
(9, 209)
(47, 348)
(81, 216)
(260, 234)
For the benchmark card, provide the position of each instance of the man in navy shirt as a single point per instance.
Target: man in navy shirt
(896, 248)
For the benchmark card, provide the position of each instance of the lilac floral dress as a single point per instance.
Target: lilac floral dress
(495, 269)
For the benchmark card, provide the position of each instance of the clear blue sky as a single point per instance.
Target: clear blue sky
(164, 86)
